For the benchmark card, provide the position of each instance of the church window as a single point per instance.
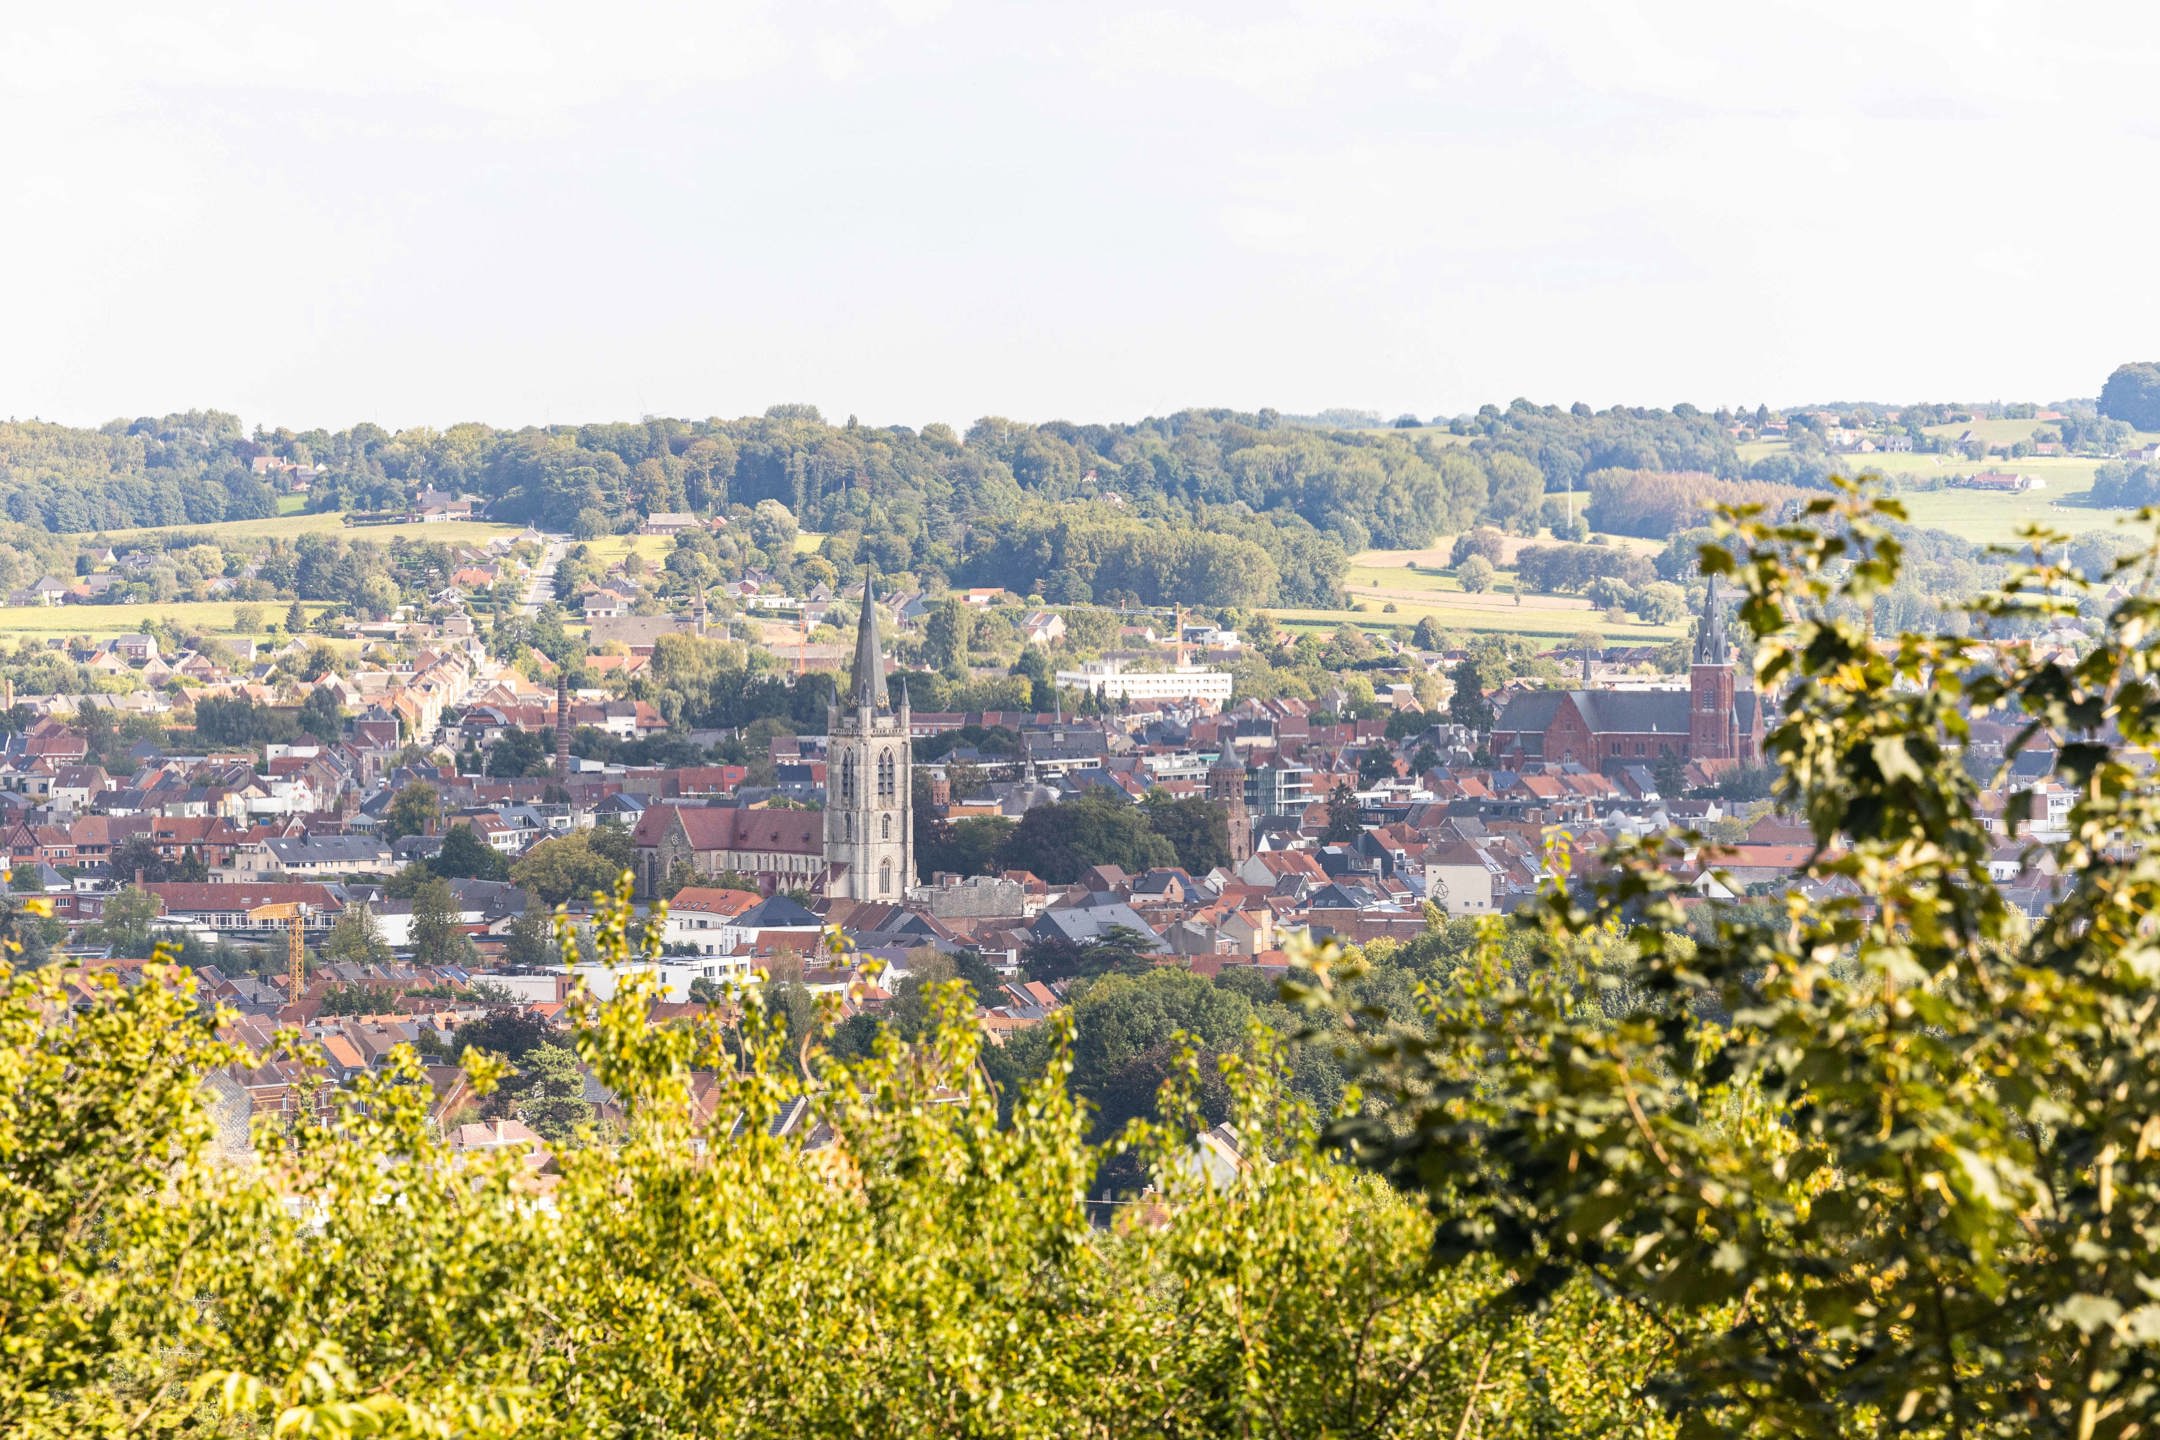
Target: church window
(885, 786)
(884, 878)
(885, 828)
(849, 822)
(847, 777)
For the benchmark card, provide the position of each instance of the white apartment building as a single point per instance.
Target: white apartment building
(1110, 679)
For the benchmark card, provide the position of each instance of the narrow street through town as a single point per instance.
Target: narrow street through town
(542, 586)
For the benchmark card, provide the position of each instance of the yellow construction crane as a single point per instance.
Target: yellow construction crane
(296, 947)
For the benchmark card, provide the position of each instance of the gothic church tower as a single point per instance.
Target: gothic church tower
(869, 799)
(1713, 723)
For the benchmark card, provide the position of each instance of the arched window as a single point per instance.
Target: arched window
(885, 786)
(849, 822)
(884, 878)
(847, 778)
(885, 828)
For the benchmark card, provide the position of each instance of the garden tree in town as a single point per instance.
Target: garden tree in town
(511, 1034)
(519, 755)
(1467, 703)
(411, 811)
(138, 858)
(1117, 950)
(1670, 773)
(355, 938)
(1060, 840)
(125, 922)
(1197, 828)
(436, 939)
(1342, 815)
(970, 846)
(573, 866)
(358, 1000)
(1428, 636)
(1881, 1159)
(465, 856)
(680, 875)
(945, 638)
(321, 716)
(295, 618)
(546, 1092)
(530, 941)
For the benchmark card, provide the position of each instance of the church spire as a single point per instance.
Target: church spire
(1710, 645)
(868, 687)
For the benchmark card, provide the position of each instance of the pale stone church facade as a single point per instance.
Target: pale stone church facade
(869, 776)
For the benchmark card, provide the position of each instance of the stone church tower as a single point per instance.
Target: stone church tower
(1226, 787)
(869, 800)
(1713, 724)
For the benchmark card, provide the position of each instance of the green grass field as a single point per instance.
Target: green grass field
(1982, 517)
(449, 532)
(208, 617)
(1988, 519)
(1412, 581)
(1543, 618)
(652, 549)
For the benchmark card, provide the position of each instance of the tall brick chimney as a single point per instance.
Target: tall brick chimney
(562, 725)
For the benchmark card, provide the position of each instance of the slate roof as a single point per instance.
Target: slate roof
(777, 912)
(1626, 712)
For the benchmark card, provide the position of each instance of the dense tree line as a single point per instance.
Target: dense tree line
(1655, 503)
(2132, 395)
(187, 469)
(1059, 841)
(2126, 484)
(1556, 569)
(1568, 446)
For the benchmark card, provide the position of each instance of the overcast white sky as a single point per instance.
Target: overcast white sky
(924, 210)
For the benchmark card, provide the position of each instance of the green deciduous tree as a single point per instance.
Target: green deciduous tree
(412, 810)
(1058, 841)
(2132, 395)
(573, 867)
(530, 942)
(436, 939)
(1882, 1160)
(1467, 702)
(465, 856)
(1197, 828)
(321, 716)
(125, 923)
(355, 938)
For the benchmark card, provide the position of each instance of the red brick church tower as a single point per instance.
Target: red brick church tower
(1713, 723)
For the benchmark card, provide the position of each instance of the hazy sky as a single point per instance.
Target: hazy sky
(933, 210)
